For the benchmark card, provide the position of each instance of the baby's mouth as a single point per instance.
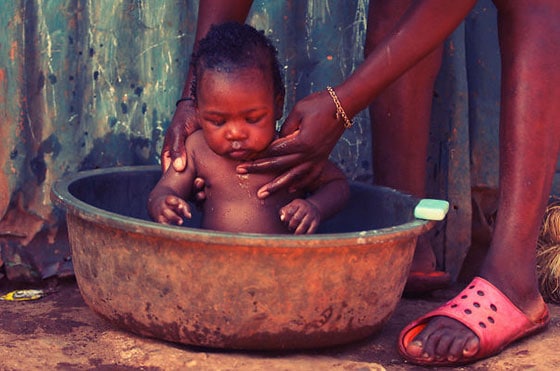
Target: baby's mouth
(236, 145)
(238, 152)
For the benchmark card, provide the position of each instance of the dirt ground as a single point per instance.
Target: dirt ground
(59, 332)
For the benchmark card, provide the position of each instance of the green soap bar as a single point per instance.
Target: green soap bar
(431, 209)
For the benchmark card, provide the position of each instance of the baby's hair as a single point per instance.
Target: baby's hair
(230, 46)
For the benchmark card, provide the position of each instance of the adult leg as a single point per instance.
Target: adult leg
(401, 114)
(400, 132)
(529, 147)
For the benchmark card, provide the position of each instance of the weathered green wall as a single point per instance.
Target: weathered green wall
(92, 83)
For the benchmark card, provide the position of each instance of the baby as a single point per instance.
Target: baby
(239, 95)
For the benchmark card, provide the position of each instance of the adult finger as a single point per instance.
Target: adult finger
(173, 151)
(178, 152)
(165, 160)
(291, 124)
(282, 181)
(310, 173)
(287, 145)
(199, 193)
(269, 164)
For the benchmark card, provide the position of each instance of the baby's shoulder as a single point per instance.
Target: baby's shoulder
(195, 138)
(199, 152)
(196, 143)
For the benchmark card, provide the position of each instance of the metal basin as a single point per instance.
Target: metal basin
(238, 291)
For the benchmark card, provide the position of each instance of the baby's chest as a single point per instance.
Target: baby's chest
(235, 187)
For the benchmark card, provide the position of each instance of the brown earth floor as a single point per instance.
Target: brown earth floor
(59, 332)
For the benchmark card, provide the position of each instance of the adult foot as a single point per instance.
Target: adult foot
(419, 283)
(478, 323)
(423, 277)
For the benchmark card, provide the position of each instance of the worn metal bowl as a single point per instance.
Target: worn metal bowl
(238, 291)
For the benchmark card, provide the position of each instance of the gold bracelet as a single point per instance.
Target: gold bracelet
(339, 110)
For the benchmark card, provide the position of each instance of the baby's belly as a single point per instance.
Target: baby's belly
(256, 216)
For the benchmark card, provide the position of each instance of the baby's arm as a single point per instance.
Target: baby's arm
(329, 197)
(166, 202)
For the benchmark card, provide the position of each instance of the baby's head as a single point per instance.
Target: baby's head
(232, 46)
(238, 89)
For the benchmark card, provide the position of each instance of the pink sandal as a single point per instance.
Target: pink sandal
(487, 312)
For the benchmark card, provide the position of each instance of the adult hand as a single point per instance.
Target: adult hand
(183, 123)
(307, 138)
(198, 194)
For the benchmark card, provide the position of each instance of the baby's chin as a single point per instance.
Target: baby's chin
(242, 155)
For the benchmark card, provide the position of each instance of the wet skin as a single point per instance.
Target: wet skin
(405, 37)
(529, 128)
(238, 123)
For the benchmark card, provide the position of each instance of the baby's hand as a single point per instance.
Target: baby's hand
(169, 210)
(301, 216)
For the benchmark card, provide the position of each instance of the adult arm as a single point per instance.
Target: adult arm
(184, 120)
(311, 130)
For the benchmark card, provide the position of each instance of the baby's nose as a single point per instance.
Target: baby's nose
(235, 132)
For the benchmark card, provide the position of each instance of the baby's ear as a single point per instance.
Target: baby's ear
(278, 106)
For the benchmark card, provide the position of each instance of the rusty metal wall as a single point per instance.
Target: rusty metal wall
(92, 83)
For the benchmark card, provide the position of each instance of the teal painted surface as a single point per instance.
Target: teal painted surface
(87, 84)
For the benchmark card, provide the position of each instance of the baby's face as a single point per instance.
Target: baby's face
(237, 111)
